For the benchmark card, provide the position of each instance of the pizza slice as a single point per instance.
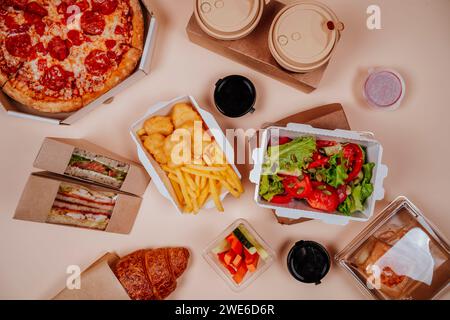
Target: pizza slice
(98, 67)
(107, 42)
(46, 82)
(15, 41)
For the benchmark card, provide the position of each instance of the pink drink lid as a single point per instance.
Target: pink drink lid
(384, 88)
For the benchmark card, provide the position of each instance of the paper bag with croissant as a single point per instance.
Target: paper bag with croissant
(142, 275)
(151, 274)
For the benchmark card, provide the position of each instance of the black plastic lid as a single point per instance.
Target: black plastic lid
(308, 262)
(235, 96)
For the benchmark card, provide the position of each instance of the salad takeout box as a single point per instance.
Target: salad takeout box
(400, 255)
(55, 155)
(13, 108)
(301, 210)
(155, 171)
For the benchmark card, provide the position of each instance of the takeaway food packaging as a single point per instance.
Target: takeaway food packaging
(97, 282)
(266, 256)
(228, 19)
(13, 108)
(299, 209)
(54, 199)
(304, 35)
(400, 255)
(155, 171)
(90, 163)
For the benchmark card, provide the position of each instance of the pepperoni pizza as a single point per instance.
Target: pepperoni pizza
(59, 55)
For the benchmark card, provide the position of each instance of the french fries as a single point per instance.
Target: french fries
(197, 182)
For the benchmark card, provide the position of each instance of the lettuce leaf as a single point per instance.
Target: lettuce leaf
(290, 156)
(336, 174)
(270, 186)
(360, 192)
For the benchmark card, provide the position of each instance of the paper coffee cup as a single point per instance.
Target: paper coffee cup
(228, 19)
(303, 36)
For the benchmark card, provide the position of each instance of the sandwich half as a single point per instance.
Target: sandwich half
(96, 168)
(79, 206)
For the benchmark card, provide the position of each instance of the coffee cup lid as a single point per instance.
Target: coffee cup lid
(308, 262)
(228, 19)
(235, 96)
(303, 35)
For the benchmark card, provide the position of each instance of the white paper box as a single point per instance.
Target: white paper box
(155, 171)
(16, 109)
(302, 210)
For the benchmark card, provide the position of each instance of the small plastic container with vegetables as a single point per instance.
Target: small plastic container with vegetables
(304, 172)
(239, 255)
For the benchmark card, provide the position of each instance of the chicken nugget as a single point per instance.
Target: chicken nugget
(154, 144)
(158, 124)
(182, 113)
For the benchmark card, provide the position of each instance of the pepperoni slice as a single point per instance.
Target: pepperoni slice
(97, 63)
(110, 44)
(92, 23)
(36, 9)
(40, 48)
(105, 7)
(19, 45)
(13, 26)
(119, 30)
(40, 28)
(55, 78)
(58, 49)
(75, 37)
(42, 64)
(19, 4)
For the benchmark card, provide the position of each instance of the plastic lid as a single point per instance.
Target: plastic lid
(303, 35)
(308, 262)
(384, 88)
(228, 18)
(235, 96)
(400, 255)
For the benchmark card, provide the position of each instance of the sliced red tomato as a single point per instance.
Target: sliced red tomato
(319, 160)
(298, 189)
(342, 193)
(354, 159)
(325, 143)
(281, 199)
(323, 197)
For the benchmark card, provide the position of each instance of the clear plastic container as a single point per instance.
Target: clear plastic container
(214, 262)
(399, 256)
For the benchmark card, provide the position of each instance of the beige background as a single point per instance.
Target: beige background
(414, 40)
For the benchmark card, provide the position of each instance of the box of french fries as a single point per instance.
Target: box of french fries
(187, 155)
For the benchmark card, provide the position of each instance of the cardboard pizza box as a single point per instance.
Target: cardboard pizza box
(56, 153)
(13, 108)
(253, 51)
(40, 193)
(97, 282)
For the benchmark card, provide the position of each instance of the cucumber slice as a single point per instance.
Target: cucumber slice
(245, 242)
(261, 251)
(222, 247)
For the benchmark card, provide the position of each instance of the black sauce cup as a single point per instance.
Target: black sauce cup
(235, 96)
(308, 262)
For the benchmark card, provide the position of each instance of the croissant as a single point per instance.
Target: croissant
(151, 274)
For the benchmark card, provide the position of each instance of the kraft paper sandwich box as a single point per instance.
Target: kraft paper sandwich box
(13, 108)
(45, 190)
